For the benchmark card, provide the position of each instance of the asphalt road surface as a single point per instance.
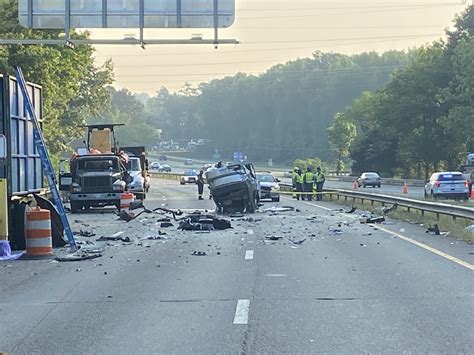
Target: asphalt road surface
(348, 288)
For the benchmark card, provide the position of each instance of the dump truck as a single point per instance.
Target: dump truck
(98, 171)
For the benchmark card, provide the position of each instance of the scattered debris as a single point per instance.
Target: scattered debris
(163, 220)
(298, 242)
(279, 209)
(387, 210)
(202, 222)
(86, 233)
(78, 269)
(166, 224)
(434, 230)
(273, 237)
(377, 219)
(155, 237)
(79, 256)
(336, 231)
(125, 216)
(402, 230)
(199, 253)
(363, 245)
(352, 210)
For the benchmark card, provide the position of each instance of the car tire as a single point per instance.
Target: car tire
(75, 207)
(379, 186)
(181, 183)
(364, 186)
(276, 199)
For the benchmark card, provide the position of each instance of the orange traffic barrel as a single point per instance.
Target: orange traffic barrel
(38, 233)
(126, 199)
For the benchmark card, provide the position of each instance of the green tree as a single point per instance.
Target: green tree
(73, 87)
(341, 135)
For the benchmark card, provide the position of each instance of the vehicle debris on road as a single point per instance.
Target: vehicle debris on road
(273, 237)
(198, 253)
(80, 255)
(298, 242)
(434, 229)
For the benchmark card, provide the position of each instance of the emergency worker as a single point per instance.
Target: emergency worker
(308, 183)
(299, 184)
(200, 184)
(294, 175)
(319, 180)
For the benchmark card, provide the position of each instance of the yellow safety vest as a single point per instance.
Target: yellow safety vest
(320, 177)
(308, 177)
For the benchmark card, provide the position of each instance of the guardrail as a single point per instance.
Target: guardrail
(422, 206)
(163, 175)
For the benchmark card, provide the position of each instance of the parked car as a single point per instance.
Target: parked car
(189, 177)
(268, 186)
(164, 168)
(163, 157)
(188, 162)
(447, 184)
(154, 165)
(369, 179)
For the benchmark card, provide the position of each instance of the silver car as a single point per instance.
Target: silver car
(369, 179)
(447, 184)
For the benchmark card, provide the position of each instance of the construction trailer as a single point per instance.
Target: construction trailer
(21, 172)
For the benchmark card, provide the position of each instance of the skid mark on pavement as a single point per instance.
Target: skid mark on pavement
(242, 312)
(427, 247)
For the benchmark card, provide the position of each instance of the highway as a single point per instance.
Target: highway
(348, 288)
(414, 192)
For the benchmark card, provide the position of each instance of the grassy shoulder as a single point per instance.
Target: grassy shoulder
(456, 228)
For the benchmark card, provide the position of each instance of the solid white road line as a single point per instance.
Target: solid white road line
(248, 254)
(427, 247)
(242, 312)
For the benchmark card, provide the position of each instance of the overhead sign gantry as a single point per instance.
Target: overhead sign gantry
(139, 14)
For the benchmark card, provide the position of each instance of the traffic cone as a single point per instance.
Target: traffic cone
(405, 188)
(472, 193)
(356, 185)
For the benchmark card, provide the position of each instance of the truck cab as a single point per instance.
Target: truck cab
(97, 180)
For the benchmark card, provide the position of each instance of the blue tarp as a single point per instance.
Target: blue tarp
(6, 251)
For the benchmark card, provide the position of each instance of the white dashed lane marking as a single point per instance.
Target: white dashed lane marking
(242, 312)
(248, 254)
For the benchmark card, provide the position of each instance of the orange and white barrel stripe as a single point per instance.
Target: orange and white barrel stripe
(126, 199)
(38, 233)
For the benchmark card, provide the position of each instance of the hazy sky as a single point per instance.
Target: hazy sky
(275, 31)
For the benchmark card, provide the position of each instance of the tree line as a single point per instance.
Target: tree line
(422, 120)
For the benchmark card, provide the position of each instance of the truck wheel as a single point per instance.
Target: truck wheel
(75, 206)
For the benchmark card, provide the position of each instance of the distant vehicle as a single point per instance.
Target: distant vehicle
(188, 162)
(268, 186)
(447, 184)
(163, 157)
(164, 168)
(189, 177)
(369, 179)
(154, 165)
